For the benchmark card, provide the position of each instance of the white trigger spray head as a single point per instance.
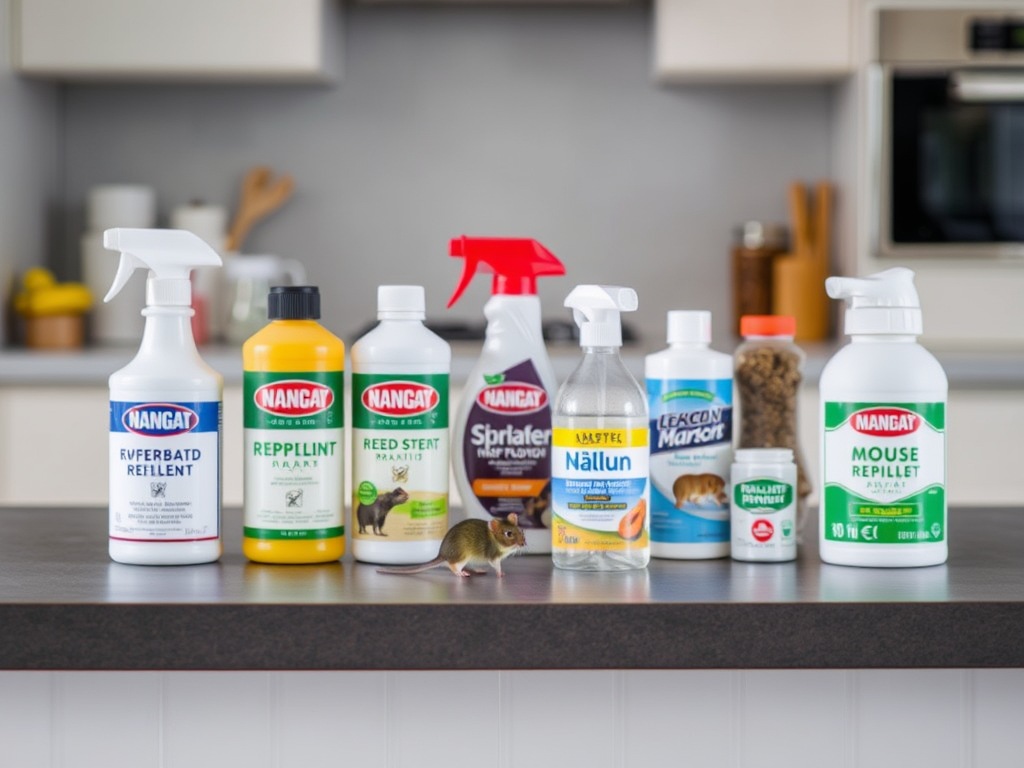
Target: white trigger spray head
(596, 308)
(883, 303)
(170, 255)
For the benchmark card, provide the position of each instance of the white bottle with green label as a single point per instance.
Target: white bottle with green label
(883, 438)
(400, 444)
(763, 505)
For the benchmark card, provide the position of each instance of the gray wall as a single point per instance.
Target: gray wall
(29, 162)
(540, 121)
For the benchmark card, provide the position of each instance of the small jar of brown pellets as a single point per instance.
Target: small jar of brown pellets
(755, 246)
(768, 371)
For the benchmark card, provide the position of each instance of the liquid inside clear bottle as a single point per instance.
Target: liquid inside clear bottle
(601, 396)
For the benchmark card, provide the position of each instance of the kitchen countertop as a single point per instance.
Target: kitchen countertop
(64, 605)
(978, 369)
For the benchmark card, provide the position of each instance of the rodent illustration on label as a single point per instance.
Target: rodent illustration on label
(473, 542)
(400, 456)
(691, 451)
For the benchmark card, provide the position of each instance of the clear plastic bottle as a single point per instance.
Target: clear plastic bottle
(689, 395)
(400, 452)
(600, 479)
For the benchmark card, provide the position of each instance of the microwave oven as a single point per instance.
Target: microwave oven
(947, 146)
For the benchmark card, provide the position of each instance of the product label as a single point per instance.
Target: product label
(507, 446)
(691, 451)
(599, 489)
(763, 512)
(885, 472)
(165, 471)
(294, 455)
(400, 456)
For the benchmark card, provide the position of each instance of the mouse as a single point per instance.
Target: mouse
(473, 541)
(376, 513)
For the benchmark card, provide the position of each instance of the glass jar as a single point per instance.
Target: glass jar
(767, 374)
(753, 255)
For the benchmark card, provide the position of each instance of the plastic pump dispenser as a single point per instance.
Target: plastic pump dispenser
(883, 446)
(600, 488)
(165, 413)
(883, 303)
(504, 412)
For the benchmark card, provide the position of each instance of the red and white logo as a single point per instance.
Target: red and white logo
(293, 397)
(512, 398)
(762, 530)
(886, 422)
(400, 398)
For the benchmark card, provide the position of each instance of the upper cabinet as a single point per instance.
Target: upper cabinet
(181, 40)
(752, 40)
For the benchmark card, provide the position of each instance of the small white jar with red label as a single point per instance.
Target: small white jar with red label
(762, 497)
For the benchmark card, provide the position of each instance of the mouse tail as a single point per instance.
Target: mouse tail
(418, 568)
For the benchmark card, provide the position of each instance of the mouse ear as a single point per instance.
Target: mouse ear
(495, 526)
(512, 518)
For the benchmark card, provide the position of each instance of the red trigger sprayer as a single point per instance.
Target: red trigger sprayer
(508, 395)
(516, 263)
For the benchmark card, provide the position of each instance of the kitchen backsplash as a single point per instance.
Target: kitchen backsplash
(527, 120)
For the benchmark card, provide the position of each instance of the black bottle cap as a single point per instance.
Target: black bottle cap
(293, 302)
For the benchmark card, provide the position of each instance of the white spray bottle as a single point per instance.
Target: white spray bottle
(599, 464)
(883, 439)
(165, 413)
(501, 435)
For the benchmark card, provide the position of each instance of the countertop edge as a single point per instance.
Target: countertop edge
(441, 637)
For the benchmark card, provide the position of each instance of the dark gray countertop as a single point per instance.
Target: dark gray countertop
(64, 605)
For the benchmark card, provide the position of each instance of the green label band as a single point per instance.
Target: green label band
(400, 401)
(299, 535)
(293, 400)
(763, 495)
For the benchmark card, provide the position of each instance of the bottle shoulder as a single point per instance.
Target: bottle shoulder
(293, 345)
(688, 362)
(401, 343)
(896, 367)
(601, 385)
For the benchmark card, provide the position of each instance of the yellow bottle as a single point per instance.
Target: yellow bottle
(293, 386)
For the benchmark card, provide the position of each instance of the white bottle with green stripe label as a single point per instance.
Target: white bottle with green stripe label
(762, 502)
(883, 432)
(400, 444)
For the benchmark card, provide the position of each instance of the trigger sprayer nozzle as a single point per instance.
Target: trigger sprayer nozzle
(170, 255)
(516, 263)
(883, 303)
(596, 308)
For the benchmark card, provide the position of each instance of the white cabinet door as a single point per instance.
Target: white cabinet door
(212, 40)
(54, 446)
(752, 40)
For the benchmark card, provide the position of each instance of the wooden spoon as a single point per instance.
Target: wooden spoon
(259, 198)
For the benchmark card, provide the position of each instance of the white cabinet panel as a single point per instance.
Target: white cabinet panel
(182, 40)
(54, 446)
(751, 40)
